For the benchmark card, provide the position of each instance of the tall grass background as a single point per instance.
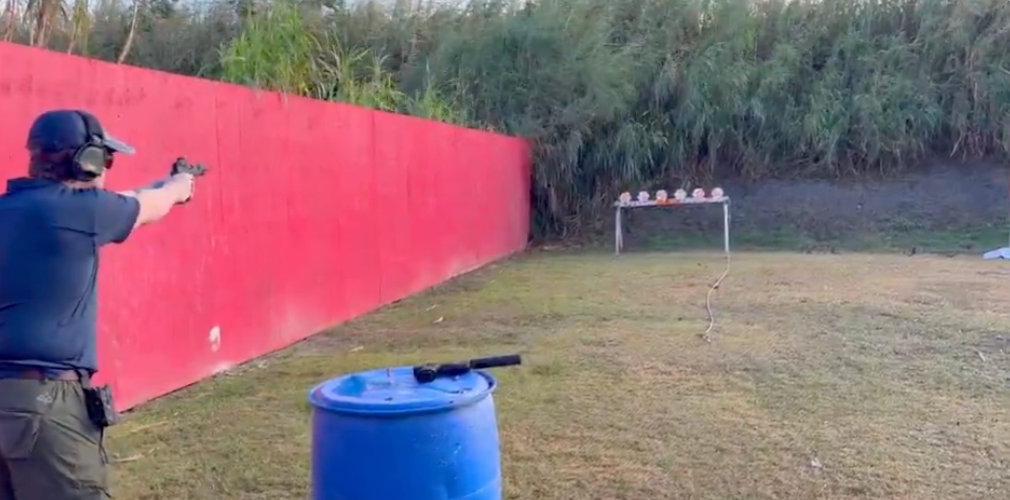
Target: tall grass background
(615, 94)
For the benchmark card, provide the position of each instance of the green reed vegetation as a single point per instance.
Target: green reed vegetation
(620, 93)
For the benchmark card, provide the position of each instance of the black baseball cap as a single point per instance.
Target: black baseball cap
(62, 129)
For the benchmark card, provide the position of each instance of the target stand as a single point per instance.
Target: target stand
(680, 199)
(999, 253)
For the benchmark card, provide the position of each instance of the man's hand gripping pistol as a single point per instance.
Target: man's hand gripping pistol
(181, 166)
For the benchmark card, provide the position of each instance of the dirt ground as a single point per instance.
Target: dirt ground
(827, 377)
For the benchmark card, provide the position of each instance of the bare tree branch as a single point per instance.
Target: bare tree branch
(125, 51)
(10, 15)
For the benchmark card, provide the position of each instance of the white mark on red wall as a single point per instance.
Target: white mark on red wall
(215, 338)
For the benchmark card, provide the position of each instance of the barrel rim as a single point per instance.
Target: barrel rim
(373, 409)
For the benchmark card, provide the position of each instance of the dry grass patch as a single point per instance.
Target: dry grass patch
(828, 377)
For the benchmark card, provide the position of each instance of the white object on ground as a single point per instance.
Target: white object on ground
(1000, 253)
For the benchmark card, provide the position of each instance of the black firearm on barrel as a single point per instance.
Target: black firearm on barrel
(429, 372)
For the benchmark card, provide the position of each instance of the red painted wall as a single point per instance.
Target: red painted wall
(314, 212)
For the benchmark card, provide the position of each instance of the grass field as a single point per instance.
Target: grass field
(827, 377)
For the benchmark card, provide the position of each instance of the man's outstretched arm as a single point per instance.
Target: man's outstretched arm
(158, 199)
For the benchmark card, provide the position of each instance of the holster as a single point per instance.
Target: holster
(101, 407)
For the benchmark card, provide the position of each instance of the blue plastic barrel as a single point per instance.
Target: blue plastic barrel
(380, 435)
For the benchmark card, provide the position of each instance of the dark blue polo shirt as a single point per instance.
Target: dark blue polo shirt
(49, 240)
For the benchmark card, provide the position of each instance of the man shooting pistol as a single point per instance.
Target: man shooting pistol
(52, 224)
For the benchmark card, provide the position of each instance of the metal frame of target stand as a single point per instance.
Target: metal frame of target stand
(690, 202)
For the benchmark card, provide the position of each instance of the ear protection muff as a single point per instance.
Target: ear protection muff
(92, 158)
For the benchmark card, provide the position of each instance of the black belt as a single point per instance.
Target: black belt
(36, 374)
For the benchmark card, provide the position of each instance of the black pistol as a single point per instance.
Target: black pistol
(181, 166)
(429, 372)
